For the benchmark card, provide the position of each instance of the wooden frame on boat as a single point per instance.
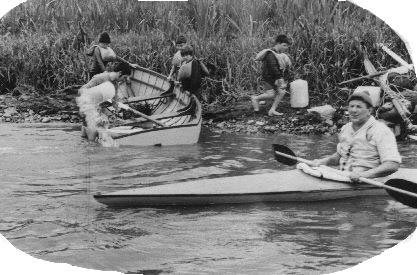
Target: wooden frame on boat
(177, 112)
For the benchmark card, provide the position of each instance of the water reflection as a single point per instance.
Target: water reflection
(47, 208)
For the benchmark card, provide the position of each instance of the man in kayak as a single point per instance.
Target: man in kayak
(275, 63)
(367, 147)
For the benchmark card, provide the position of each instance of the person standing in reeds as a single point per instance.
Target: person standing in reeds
(192, 71)
(102, 54)
(177, 58)
(275, 64)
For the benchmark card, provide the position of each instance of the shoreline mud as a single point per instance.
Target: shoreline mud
(238, 118)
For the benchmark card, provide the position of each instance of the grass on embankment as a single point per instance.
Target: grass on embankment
(38, 51)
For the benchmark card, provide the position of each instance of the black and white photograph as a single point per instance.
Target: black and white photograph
(206, 137)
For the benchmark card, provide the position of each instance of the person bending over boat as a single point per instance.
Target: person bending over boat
(275, 64)
(102, 54)
(192, 71)
(121, 72)
(367, 147)
(101, 88)
(177, 58)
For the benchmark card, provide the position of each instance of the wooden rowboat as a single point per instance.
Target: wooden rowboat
(283, 186)
(173, 116)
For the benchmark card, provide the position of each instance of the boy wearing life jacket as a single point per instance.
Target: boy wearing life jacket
(191, 71)
(177, 58)
(102, 54)
(275, 63)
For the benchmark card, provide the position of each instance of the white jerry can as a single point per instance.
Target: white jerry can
(299, 93)
(374, 92)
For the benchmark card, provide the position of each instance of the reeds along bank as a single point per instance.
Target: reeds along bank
(38, 39)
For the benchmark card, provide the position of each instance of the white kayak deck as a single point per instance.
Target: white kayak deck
(293, 185)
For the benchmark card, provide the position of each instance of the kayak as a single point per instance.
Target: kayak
(283, 186)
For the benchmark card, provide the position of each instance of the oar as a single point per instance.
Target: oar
(400, 70)
(364, 77)
(127, 108)
(402, 190)
(188, 110)
(139, 99)
(121, 105)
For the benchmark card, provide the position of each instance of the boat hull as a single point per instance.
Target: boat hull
(179, 115)
(284, 186)
(180, 135)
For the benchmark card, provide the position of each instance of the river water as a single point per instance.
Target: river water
(49, 175)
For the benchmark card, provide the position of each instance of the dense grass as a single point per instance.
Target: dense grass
(38, 40)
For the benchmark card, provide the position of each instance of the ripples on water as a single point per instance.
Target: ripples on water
(49, 175)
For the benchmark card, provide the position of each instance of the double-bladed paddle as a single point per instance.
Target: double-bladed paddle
(401, 190)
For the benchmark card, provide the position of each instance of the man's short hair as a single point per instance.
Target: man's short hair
(282, 38)
(187, 50)
(123, 67)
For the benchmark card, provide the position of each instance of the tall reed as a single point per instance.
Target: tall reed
(38, 39)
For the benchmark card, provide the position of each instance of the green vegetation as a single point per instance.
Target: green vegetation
(39, 49)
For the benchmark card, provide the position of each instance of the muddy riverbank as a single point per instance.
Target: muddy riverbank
(238, 118)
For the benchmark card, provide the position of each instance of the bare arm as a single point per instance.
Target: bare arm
(332, 160)
(384, 169)
(204, 68)
(172, 71)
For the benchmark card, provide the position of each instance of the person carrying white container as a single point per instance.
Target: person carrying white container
(275, 64)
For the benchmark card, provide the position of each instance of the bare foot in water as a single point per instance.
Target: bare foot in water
(255, 104)
(274, 113)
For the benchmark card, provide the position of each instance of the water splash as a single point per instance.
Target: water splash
(89, 107)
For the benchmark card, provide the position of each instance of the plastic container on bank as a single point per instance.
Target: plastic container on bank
(299, 93)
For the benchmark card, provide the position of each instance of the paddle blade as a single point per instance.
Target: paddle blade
(283, 149)
(406, 186)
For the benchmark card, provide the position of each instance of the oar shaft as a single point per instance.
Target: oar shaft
(126, 107)
(376, 183)
(138, 99)
(309, 162)
(363, 77)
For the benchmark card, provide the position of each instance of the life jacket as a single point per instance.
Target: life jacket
(106, 54)
(191, 75)
(283, 60)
